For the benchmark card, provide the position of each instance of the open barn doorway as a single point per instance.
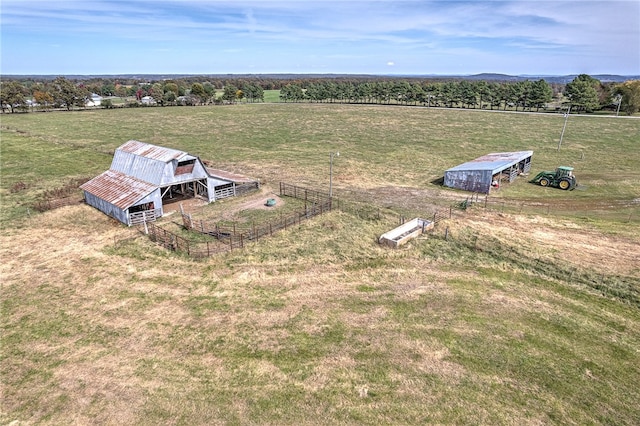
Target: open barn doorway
(185, 191)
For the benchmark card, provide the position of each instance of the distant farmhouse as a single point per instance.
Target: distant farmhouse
(94, 100)
(144, 177)
(480, 174)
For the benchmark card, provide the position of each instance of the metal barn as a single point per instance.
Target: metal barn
(143, 176)
(479, 174)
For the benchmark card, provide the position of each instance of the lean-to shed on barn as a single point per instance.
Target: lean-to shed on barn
(477, 175)
(143, 177)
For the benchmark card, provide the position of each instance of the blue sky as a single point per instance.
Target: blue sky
(543, 37)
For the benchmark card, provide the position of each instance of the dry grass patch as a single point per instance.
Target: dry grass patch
(319, 324)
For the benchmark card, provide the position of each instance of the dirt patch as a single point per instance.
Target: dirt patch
(259, 201)
(189, 204)
(252, 201)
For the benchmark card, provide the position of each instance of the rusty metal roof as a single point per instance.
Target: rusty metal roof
(118, 188)
(495, 162)
(225, 175)
(153, 152)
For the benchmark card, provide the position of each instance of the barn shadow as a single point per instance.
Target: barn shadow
(438, 182)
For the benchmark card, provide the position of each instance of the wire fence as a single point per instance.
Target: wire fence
(226, 237)
(617, 210)
(622, 287)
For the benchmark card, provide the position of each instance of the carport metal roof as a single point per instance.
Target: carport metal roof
(495, 162)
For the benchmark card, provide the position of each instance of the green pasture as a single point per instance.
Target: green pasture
(380, 147)
(318, 324)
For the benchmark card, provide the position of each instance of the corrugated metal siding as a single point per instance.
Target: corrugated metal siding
(146, 169)
(469, 180)
(156, 165)
(197, 172)
(118, 189)
(107, 208)
(476, 175)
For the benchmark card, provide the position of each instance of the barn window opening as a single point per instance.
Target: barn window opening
(185, 167)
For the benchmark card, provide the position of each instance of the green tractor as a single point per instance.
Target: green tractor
(562, 178)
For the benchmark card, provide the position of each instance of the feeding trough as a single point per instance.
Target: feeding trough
(405, 232)
(270, 202)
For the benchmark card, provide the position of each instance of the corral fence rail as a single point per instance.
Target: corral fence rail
(235, 235)
(174, 242)
(227, 237)
(56, 203)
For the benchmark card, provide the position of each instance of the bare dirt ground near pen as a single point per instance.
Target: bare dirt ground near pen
(232, 206)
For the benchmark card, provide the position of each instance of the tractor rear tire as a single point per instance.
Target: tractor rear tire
(544, 181)
(564, 184)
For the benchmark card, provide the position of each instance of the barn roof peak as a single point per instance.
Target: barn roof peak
(150, 151)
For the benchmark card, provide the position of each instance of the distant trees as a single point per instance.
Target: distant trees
(43, 99)
(584, 93)
(197, 90)
(629, 93)
(294, 93)
(527, 95)
(66, 94)
(157, 93)
(253, 92)
(12, 96)
(230, 93)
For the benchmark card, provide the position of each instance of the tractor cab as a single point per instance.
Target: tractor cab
(564, 172)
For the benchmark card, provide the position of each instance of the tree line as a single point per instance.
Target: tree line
(63, 93)
(583, 94)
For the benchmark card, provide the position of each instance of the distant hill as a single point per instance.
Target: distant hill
(561, 79)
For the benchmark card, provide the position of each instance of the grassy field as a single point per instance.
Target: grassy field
(495, 318)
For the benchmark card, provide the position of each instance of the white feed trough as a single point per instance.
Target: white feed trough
(405, 232)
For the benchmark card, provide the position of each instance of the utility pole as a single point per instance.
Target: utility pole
(331, 155)
(619, 99)
(566, 117)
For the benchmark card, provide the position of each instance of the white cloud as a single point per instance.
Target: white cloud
(414, 31)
